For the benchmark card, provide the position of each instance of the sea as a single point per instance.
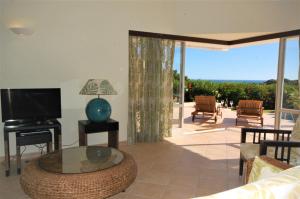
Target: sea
(236, 81)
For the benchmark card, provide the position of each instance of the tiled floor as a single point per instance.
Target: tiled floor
(187, 165)
(199, 159)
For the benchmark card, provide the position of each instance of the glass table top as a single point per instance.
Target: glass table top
(82, 159)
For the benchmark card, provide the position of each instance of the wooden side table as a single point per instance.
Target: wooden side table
(111, 126)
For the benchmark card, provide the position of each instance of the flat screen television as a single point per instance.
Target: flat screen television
(30, 104)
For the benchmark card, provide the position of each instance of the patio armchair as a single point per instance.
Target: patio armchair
(205, 104)
(250, 108)
(281, 142)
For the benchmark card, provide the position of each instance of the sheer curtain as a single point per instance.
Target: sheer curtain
(150, 89)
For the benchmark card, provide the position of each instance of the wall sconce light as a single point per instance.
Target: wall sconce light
(22, 31)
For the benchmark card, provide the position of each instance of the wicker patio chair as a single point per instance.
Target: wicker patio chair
(250, 108)
(205, 105)
(279, 148)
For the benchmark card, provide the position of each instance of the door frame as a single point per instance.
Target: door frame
(280, 82)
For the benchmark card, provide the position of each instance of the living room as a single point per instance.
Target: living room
(73, 41)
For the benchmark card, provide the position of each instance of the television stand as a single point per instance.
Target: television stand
(29, 126)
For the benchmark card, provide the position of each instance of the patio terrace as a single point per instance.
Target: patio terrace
(226, 122)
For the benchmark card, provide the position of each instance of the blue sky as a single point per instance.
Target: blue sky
(256, 62)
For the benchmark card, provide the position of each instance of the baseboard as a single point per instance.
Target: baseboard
(25, 156)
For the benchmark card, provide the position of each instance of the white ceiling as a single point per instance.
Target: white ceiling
(226, 37)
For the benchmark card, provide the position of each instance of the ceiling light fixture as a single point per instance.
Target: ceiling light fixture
(22, 31)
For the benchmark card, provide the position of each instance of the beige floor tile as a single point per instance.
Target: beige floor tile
(129, 196)
(164, 167)
(119, 196)
(155, 177)
(212, 185)
(186, 170)
(180, 180)
(147, 190)
(179, 192)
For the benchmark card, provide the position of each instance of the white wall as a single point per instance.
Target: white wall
(1, 43)
(1, 65)
(78, 40)
(72, 43)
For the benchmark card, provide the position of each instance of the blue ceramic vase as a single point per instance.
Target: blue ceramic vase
(98, 110)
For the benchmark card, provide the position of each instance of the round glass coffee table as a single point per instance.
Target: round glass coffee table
(81, 159)
(79, 172)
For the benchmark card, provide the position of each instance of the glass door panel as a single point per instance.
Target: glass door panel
(290, 108)
(176, 86)
(291, 72)
(288, 120)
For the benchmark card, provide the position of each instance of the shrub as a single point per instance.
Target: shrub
(231, 91)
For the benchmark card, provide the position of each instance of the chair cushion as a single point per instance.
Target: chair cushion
(249, 150)
(262, 169)
(295, 136)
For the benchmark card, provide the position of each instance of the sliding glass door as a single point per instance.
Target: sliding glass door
(288, 102)
(178, 84)
(287, 105)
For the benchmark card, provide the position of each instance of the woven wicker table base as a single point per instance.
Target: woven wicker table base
(40, 184)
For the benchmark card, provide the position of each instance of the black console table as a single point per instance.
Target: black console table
(111, 126)
(15, 126)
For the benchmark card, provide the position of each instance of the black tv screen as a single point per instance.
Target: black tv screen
(30, 104)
